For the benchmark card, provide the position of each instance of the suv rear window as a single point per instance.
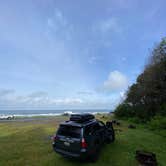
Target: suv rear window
(69, 131)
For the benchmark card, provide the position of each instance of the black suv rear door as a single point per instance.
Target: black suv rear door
(69, 138)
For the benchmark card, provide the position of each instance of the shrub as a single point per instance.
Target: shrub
(158, 123)
(136, 120)
(124, 110)
(162, 110)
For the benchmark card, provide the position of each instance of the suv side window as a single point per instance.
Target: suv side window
(101, 124)
(90, 129)
(93, 128)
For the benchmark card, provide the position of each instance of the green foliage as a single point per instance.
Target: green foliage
(147, 97)
(162, 110)
(158, 123)
(136, 120)
(124, 110)
(128, 111)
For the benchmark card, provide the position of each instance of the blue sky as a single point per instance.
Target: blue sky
(57, 54)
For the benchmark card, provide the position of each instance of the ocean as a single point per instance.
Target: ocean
(30, 113)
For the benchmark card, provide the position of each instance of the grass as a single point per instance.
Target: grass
(29, 143)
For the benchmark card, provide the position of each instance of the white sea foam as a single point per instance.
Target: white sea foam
(3, 116)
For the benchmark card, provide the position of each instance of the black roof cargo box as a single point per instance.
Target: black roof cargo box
(81, 117)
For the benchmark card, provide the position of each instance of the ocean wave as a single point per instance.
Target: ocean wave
(51, 114)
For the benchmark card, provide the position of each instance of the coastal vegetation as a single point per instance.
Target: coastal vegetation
(146, 99)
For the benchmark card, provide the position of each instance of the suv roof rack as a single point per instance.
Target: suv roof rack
(80, 118)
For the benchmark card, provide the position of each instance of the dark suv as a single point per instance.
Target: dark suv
(82, 137)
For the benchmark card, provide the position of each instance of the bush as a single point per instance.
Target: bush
(162, 110)
(124, 111)
(158, 123)
(143, 113)
(136, 120)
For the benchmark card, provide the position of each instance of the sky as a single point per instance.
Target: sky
(77, 54)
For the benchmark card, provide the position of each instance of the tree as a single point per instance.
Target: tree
(148, 94)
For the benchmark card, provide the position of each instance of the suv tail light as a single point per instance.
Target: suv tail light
(54, 138)
(83, 143)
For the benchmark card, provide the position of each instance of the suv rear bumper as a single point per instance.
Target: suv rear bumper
(64, 153)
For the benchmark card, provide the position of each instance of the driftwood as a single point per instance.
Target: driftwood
(131, 126)
(146, 158)
(116, 122)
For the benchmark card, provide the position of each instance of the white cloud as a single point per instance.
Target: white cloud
(57, 20)
(105, 30)
(4, 92)
(66, 101)
(122, 95)
(152, 12)
(116, 81)
(41, 100)
(35, 99)
(38, 94)
(110, 25)
(125, 4)
(93, 59)
(124, 59)
(85, 93)
(58, 24)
